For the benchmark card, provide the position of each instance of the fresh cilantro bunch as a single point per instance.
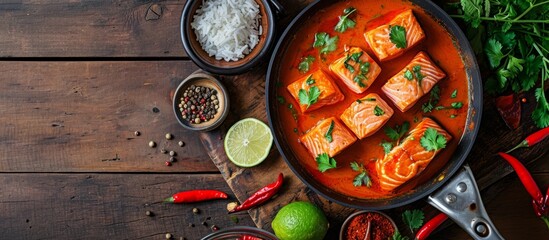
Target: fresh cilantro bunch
(512, 37)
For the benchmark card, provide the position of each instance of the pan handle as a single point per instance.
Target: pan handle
(460, 200)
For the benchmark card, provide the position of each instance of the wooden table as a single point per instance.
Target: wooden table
(78, 78)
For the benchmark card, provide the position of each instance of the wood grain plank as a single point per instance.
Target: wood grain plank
(81, 117)
(108, 206)
(96, 28)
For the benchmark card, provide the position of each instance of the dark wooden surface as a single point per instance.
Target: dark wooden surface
(79, 77)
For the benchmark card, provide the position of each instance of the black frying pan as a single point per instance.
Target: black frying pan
(423, 189)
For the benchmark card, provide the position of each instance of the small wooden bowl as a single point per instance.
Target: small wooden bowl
(210, 64)
(200, 78)
(352, 216)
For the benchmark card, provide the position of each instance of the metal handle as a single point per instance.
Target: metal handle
(460, 200)
(278, 7)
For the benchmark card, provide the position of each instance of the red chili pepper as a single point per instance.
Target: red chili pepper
(261, 196)
(196, 196)
(532, 139)
(430, 226)
(528, 182)
(248, 237)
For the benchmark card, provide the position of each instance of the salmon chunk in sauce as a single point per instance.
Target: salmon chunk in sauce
(356, 69)
(315, 91)
(408, 159)
(367, 115)
(395, 37)
(411, 83)
(328, 136)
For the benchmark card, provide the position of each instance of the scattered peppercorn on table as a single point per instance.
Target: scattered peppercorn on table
(90, 147)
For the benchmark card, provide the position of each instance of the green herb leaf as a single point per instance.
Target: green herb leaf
(310, 80)
(325, 42)
(397, 236)
(397, 36)
(305, 63)
(344, 21)
(355, 166)
(408, 75)
(434, 97)
(358, 79)
(541, 112)
(309, 97)
(457, 105)
(454, 93)
(417, 73)
(397, 132)
(413, 219)
(362, 179)
(472, 10)
(493, 52)
(378, 111)
(280, 99)
(328, 134)
(387, 146)
(325, 162)
(432, 140)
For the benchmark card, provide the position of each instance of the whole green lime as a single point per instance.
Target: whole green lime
(300, 221)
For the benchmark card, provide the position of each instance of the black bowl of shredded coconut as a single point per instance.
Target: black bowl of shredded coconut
(227, 36)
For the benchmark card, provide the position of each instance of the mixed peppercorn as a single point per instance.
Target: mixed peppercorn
(198, 104)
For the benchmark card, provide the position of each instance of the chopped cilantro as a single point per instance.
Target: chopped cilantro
(398, 236)
(397, 36)
(397, 132)
(454, 93)
(434, 97)
(378, 111)
(453, 116)
(457, 105)
(344, 21)
(387, 146)
(309, 97)
(363, 178)
(327, 43)
(363, 68)
(325, 162)
(280, 99)
(293, 111)
(328, 134)
(408, 75)
(305, 63)
(413, 219)
(417, 73)
(310, 80)
(432, 140)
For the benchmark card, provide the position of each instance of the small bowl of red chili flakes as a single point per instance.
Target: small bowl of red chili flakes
(378, 225)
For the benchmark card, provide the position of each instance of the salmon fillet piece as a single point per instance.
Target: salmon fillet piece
(317, 142)
(413, 81)
(329, 92)
(356, 69)
(367, 115)
(379, 38)
(408, 159)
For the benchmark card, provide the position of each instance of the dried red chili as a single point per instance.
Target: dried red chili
(430, 226)
(509, 109)
(532, 139)
(261, 196)
(381, 228)
(196, 196)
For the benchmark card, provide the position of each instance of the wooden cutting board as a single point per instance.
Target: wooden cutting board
(247, 95)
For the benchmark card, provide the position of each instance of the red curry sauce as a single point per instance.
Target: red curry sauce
(438, 44)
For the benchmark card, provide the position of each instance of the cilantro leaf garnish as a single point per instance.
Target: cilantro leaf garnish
(397, 132)
(363, 68)
(408, 75)
(363, 178)
(310, 80)
(387, 146)
(344, 21)
(280, 99)
(454, 93)
(413, 219)
(328, 134)
(457, 105)
(432, 140)
(325, 42)
(434, 97)
(305, 63)
(397, 236)
(378, 111)
(309, 97)
(417, 73)
(397, 36)
(325, 162)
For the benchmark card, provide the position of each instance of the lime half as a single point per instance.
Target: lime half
(248, 142)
